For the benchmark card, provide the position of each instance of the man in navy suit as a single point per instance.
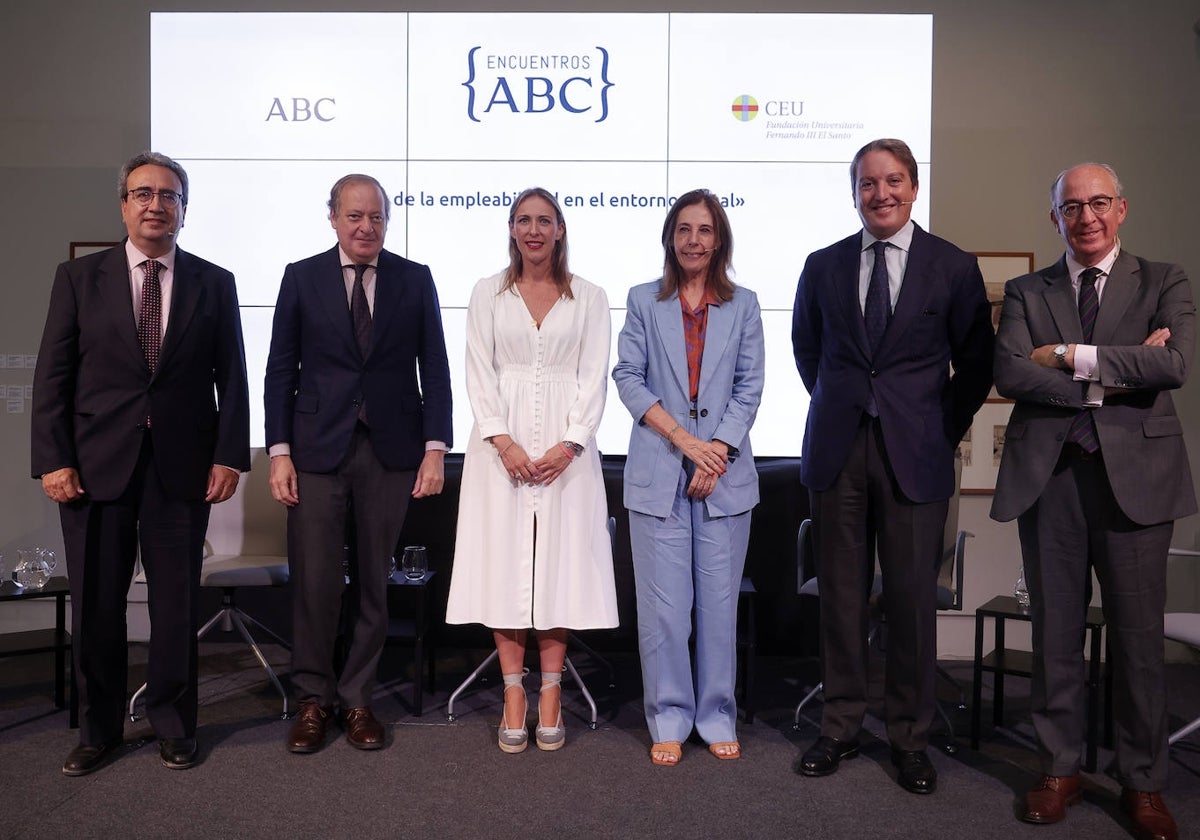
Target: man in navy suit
(140, 423)
(880, 319)
(351, 429)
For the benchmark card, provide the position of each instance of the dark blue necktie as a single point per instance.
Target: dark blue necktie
(1083, 425)
(877, 310)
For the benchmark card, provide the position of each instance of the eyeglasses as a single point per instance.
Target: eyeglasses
(1100, 205)
(144, 195)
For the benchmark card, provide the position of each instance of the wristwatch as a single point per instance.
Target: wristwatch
(1060, 354)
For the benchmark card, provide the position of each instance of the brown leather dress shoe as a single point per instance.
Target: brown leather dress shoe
(363, 731)
(1048, 800)
(1151, 819)
(87, 758)
(307, 734)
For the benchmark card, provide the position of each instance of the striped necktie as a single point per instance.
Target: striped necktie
(1083, 424)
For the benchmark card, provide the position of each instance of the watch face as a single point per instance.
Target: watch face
(1061, 350)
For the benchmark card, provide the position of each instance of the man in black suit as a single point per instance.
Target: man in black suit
(880, 318)
(350, 428)
(1095, 472)
(140, 423)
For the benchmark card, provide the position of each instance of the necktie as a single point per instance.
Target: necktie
(360, 318)
(360, 312)
(1083, 425)
(877, 310)
(150, 314)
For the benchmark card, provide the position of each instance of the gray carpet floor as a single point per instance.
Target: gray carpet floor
(442, 779)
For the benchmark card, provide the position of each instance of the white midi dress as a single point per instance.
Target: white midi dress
(539, 386)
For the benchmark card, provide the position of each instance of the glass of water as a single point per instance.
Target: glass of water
(414, 562)
(1021, 591)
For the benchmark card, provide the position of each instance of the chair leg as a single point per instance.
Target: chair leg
(1184, 732)
(474, 675)
(807, 699)
(236, 617)
(962, 695)
(491, 657)
(232, 618)
(587, 695)
(575, 641)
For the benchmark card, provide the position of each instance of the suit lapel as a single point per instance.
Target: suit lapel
(329, 289)
(845, 279)
(1120, 287)
(1060, 300)
(112, 282)
(914, 290)
(389, 291)
(716, 340)
(186, 291)
(668, 318)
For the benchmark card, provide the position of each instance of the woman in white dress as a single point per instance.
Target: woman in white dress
(532, 549)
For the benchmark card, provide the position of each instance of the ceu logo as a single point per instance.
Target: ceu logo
(745, 108)
(570, 83)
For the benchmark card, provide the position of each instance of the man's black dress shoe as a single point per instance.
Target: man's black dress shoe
(916, 773)
(86, 758)
(822, 757)
(177, 753)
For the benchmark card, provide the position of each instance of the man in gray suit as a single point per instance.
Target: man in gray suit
(1095, 472)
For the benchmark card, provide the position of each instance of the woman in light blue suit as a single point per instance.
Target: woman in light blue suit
(690, 371)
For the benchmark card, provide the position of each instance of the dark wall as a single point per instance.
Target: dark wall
(784, 625)
(770, 563)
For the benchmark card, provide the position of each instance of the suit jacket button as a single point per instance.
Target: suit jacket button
(704, 412)
(874, 373)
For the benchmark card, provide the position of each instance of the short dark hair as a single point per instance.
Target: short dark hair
(148, 158)
(885, 144)
(335, 194)
(722, 259)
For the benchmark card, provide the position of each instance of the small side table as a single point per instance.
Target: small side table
(417, 629)
(1003, 661)
(56, 640)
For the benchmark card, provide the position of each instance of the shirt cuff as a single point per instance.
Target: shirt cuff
(434, 445)
(280, 449)
(1086, 363)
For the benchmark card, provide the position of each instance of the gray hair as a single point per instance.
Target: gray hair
(148, 158)
(335, 194)
(1054, 187)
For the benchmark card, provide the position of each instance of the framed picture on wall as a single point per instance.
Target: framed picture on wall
(82, 249)
(983, 446)
(998, 267)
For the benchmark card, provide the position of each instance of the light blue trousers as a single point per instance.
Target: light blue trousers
(689, 558)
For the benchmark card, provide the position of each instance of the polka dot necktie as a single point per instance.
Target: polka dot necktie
(150, 314)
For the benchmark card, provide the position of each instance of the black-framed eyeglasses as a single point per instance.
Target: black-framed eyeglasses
(145, 195)
(1100, 205)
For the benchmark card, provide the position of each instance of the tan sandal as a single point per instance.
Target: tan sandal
(666, 753)
(726, 750)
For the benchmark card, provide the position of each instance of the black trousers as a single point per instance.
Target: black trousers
(102, 540)
(378, 498)
(864, 510)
